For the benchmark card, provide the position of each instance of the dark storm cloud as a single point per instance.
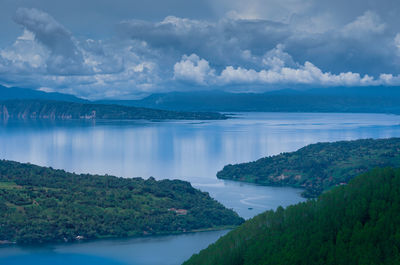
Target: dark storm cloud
(96, 18)
(362, 45)
(223, 42)
(121, 48)
(65, 57)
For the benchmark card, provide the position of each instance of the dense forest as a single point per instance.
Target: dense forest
(39, 204)
(357, 223)
(45, 109)
(318, 167)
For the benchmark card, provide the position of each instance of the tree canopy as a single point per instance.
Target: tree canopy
(358, 223)
(318, 167)
(40, 204)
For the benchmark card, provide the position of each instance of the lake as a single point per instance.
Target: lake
(189, 150)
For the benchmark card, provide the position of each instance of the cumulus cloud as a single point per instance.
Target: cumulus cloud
(322, 14)
(307, 74)
(65, 57)
(174, 32)
(307, 45)
(276, 10)
(209, 40)
(25, 54)
(193, 69)
(277, 58)
(397, 42)
(389, 79)
(368, 23)
(352, 46)
(46, 55)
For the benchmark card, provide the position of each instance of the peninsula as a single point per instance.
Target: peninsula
(62, 110)
(318, 167)
(41, 204)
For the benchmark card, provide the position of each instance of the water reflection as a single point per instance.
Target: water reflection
(192, 151)
(166, 250)
(183, 150)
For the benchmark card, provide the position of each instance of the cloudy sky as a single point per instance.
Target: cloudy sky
(127, 48)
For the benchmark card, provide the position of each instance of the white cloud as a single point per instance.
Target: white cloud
(389, 79)
(307, 74)
(193, 69)
(27, 36)
(336, 47)
(397, 42)
(65, 57)
(184, 25)
(239, 49)
(277, 58)
(25, 54)
(46, 89)
(276, 10)
(368, 23)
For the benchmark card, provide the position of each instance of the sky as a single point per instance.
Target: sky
(122, 49)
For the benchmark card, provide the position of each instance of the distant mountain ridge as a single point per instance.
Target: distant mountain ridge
(12, 93)
(377, 99)
(342, 99)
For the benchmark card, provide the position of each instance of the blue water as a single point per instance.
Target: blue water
(187, 150)
(165, 250)
(51, 258)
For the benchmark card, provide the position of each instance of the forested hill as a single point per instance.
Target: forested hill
(335, 99)
(357, 223)
(318, 167)
(39, 204)
(39, 109)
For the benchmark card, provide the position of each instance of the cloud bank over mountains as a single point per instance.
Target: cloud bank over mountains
(259, 46)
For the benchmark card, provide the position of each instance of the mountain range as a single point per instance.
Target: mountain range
(378, 99)
(12, 93)
(340, 99)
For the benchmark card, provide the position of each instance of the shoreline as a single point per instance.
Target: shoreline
(7, 243)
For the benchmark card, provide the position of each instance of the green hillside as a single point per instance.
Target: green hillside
(318, 167)
(39, 205)
(358, 223)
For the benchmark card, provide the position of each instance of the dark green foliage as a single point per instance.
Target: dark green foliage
(39, 109)
(39, 205)
(318, 167)
(357, 223)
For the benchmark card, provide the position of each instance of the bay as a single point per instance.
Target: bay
(189, 150)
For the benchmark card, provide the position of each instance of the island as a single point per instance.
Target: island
(62, 110)
(356, 223)
(42, 205)
(318, 167)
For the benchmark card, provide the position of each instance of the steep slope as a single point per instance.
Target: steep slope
(354, 224)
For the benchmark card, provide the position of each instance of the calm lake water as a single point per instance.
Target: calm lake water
(188, 150)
